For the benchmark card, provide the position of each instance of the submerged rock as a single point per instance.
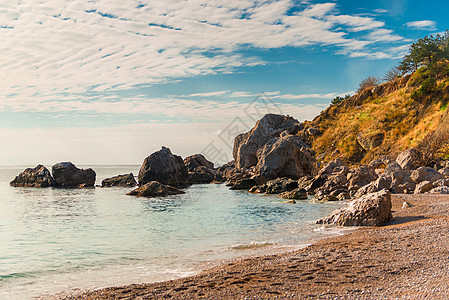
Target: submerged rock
(126, 180)
(155, 189)
(34, 177)
(164, 167)
(67, 175)
(369, 210)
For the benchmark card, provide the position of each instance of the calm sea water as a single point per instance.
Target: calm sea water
(56, 240)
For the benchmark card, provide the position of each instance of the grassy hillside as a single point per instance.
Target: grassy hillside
(385, 119)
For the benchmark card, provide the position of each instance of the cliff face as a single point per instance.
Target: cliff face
(385, 120)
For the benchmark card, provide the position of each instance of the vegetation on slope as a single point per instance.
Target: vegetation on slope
(405, 112)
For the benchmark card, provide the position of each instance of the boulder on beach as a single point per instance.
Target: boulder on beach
(271, 126)
(67, 175)
(370, 210)
(197, 160)
(34, 177)
(426, 174)
(155, 189)
(126, 180)
(408, 159)
(164, 167)
(296, 194)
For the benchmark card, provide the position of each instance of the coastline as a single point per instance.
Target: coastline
(408, 258)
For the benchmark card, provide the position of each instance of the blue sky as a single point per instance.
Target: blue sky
(109, 82)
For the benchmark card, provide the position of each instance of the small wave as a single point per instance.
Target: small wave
(252, 245)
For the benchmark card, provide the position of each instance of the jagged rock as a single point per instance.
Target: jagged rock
(164, 167)
(423, 187)
(408, 159)
(324, 198)
(360, 177)
(67, 175)
(155, 189)
(243, 184)
(369, 210)
(440, 190)
(330, 166)
(425, 174)
(343, 196)
(381, 183)
(297, 194)
(369, 141)
(126, 180)
(200, 175)
(34, 177)
(287, 156)
(228, 170)
(271, 126)
(197, 160)
(315, 183)
(280, 185)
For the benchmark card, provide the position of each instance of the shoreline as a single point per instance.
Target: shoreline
(408, 258)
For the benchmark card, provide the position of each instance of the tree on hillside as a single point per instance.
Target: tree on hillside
(369, 82)
(392, 74)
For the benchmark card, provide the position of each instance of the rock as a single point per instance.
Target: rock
(287, 156)
(343, 196)
(297, 194)
(228, 170)
(425, 174)
(444, 172)
(280, 185)
(243, 184)
(67, 175)
(440, 190)
(381, 183)
(361, 176)
(155, 189)
(312, 131)
(164, 167)
(197, 160)
(202, 174)
(315, 183)
(423, 187)
(408, 159)
(126, 180)
(38, 177)
(290, 201)
(324, 198)
(406, 205)
(369, 141)
(270, 126)
(441, 182)
(369, 210)
(330, 166)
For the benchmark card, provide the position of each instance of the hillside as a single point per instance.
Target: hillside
(408, 112)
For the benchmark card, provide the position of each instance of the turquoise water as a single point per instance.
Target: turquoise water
(55, 240)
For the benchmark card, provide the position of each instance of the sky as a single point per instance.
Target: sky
(110, 82)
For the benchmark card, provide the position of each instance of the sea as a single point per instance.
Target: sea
(61, 241)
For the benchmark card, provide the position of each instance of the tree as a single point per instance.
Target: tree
(369, 82)
(392, 74)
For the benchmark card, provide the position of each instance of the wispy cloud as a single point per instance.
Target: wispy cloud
(54, 47)
(422, 25)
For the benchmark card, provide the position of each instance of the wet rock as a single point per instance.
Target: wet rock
(270, 126)
(228, 170)
(126, 180)
(39, 177)
(408, 159)
(425, 174)
(197, 160)
(286, 156)
(324, 198)
(155, 189)
(67, 175)
(280, 185)
(369, 210)
(164, 167)
(315, 183)
(243, 184)
(297, 194)
(423, 187)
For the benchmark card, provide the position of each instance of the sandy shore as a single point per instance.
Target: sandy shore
(408, 259)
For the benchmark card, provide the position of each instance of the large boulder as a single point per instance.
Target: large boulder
(201, 174)
(423, 187)
(34, 177)
(279, 185)
(67, 175)
(296, 194)
(286, 156)
(246, 145)
(426, 174)
(369, 210)
(337, 164)
(360, 177)
(155, 189)
(126, 180)
(164, 167)
(197, 160)
(408, 159)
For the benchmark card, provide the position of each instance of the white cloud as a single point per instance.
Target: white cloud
(422, 25)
